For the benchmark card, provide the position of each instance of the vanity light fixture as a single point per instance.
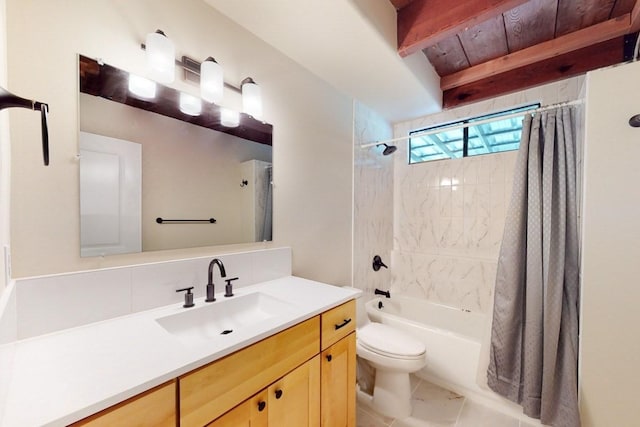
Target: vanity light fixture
(229, 118)
(160, 57)
(143, 88)
(161, 61)
(211, 81)
(190, 105)
(251, 98)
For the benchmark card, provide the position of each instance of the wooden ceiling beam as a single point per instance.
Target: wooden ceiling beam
(399, 4)
(560, 67)
(423, 23)
(635, 17)
(585, 37)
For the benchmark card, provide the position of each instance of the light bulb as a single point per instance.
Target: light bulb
(251, 98)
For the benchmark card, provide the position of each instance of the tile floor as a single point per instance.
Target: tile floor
(434, 406)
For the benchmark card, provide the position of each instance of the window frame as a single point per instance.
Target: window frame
(468, 122)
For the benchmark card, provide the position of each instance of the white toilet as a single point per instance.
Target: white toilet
(394, 355)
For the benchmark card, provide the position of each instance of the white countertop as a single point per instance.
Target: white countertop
(62, 377)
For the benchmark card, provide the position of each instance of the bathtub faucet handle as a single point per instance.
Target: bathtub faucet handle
(379, 292)
(377, 263)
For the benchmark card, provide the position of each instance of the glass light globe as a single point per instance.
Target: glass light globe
(211, 81)
(161, 55)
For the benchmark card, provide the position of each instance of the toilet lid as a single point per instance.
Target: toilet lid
(386, 340)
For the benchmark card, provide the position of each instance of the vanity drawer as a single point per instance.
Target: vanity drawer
(156, 407)
(337, 323)
(210, 391)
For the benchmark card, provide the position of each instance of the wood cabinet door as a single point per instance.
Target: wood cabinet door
(253, 412)
(338, 383)
(294, 400)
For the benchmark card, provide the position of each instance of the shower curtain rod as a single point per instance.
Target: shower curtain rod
(479, 122)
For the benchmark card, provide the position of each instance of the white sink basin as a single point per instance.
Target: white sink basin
(223, 317)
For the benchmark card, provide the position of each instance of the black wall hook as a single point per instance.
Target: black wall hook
(635, 121)
(377, 263)
(9, 100)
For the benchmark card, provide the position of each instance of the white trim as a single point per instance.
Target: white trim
(479, 122)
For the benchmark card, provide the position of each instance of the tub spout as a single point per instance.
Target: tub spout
(379, 292)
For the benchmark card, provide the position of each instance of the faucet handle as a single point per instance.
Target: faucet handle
(188, 297)
(228, 288)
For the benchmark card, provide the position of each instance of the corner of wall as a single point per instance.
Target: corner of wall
(373, 200)
(5, 158)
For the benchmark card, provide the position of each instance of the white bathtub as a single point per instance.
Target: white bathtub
(453, 338)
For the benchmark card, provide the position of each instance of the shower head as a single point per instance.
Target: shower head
(388, 149)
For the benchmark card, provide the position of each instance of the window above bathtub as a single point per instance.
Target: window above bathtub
(491, 133)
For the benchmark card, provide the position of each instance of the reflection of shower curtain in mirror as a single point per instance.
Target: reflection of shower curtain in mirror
(267, 205)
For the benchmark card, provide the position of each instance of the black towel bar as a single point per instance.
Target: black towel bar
(193, 221)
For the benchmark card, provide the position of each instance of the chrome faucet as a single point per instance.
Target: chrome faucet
(210, 286)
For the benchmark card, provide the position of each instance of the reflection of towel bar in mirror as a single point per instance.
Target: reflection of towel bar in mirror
(193, 221)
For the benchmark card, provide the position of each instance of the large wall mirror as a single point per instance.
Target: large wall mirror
(154, 178)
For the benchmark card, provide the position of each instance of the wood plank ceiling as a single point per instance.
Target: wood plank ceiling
(484, 48)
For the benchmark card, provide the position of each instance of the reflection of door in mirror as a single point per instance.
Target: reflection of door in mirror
(110, 195)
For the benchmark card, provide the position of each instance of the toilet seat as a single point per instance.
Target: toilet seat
(390, 342)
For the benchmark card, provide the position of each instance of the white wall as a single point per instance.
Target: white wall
(611, 249)
(5, 164)
(312, 128)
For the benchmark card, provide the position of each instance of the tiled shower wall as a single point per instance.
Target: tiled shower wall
(373, 201)
(449, 214)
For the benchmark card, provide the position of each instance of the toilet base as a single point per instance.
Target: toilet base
(392, 394)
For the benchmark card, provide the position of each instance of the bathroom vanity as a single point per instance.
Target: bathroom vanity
(289, 360)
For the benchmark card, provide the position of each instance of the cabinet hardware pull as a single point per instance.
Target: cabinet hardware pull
(343, 324)
(261, 406)
(329, 357)
(278, 394)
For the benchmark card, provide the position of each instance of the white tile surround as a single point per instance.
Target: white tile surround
(449, 220)
(40, 305)
(449, 215)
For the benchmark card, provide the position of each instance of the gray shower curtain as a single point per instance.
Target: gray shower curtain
(534, 334)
